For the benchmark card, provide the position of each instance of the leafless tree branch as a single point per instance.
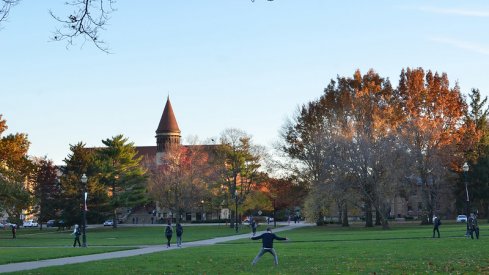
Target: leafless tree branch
(88, 18)
(5, 6)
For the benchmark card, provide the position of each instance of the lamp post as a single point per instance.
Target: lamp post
(84, 180)
(236, 213)
(465, 168)
(203, 215)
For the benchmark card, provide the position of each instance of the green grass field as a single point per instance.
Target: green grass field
(406, 249)
(33, 244)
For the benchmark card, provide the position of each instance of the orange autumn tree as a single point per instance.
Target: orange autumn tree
(363, 140)
(374, 153)
(347, 148)
(434, 127)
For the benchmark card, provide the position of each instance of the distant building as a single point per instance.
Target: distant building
(168, 135)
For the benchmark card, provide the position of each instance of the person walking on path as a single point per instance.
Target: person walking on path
(267, 245)
(168, 233)
(179, 234)
(436, 226)
(254, 225)
(77, 234)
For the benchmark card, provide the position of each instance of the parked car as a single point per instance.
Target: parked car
(51, 223)
(9, 225)
(461, 218)
(108, 223)
(30, 223)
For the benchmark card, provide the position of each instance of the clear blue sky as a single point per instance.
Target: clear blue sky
(225, 63)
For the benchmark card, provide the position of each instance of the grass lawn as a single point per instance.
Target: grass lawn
(406, 249)
(33, 244)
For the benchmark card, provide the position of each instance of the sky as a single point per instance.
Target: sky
(223, 63)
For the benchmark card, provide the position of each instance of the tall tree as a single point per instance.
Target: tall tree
(81, 160)
(120, 170)
(46, 190)
(340, 138)
(478, 157)
(16, 173)
(434, 127)
(179, 184)
(238, 163)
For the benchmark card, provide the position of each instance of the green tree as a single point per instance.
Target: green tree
(121, 172)
(16, 173)
(238, 163)
(478, 157)
(81, 161)
(46, 190)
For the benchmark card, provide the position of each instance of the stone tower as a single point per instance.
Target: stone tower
(168, 133)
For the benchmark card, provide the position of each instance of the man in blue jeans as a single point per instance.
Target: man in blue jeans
(267, 241)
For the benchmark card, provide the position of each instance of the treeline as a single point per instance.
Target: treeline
(188, 178)
(357, 148)
(364, 143)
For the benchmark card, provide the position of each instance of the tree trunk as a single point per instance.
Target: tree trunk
(378, 218)
(385, 223)
(340, 211)
(114, 221)
(231, 220)
(368, 215)
(114, 224)
(345, 215)
(384, 214)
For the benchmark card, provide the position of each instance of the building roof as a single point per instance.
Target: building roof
(146, 151)
(168, 123)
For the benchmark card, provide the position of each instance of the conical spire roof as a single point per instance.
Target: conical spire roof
(168, 123)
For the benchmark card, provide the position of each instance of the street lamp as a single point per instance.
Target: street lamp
(465, 168)
(236, 213)
(84, 180)
(203, 215)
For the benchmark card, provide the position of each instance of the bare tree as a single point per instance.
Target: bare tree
(5, 6)
(86, 21)
(179, 183)
(88, 18)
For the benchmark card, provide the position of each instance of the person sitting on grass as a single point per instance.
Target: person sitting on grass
(267, 241)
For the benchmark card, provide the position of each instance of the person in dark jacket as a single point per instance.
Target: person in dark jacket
(179, 234)
(77, 234)
(254, 225)
(168, 233)
(14, 231)
(267, 245)
(473, 226)
(436, 226)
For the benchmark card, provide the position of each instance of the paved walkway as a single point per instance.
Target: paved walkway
(128, 253)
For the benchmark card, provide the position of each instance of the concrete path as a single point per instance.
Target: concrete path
(128, 253)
